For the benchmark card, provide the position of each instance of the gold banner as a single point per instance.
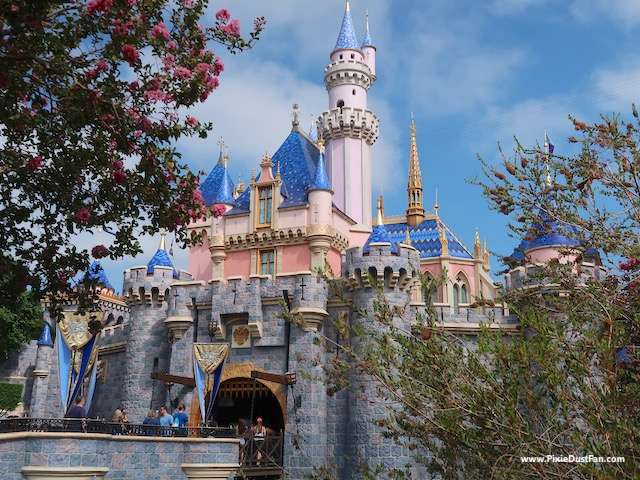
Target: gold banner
(74, 329)
(210, 355)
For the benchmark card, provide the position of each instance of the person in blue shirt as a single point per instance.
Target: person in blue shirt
(181, 419)
(166, 419)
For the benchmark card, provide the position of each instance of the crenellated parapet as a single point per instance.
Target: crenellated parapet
(142, 286)
(349, 122)
(350, 72)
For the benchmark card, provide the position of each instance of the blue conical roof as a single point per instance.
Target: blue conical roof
(320, 179)
(347, 36)
(45, 337)
(218, 186)
(96, 273)
(366, 41)
(160, 259)
(378, 235)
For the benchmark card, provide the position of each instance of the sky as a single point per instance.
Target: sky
(473, 73)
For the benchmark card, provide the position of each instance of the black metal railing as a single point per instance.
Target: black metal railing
(262, 453)
(86, 425)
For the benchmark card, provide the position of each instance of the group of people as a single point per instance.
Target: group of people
(163, 418)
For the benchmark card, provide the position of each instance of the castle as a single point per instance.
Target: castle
(307, 214)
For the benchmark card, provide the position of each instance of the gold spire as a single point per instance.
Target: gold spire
(415, 210)
(436, 205)
(266, 161)
(380, 209)
(444, 243)
(477, 249)
(407, 238)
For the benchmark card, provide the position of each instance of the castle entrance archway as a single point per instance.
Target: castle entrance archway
(234, 401)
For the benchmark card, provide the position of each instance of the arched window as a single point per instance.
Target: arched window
(353, 56)
(340, 104)
(460, 292)
(353, 92)
(456, 298)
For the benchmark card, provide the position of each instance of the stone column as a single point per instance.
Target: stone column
(39, 407)
(307, 401)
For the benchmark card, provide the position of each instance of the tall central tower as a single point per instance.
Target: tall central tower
(348, 127)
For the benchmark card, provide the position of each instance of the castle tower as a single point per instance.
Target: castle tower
(391, 268)
(368, 49)
(38, 407)
(146, 290)
(415, 207)
(348, 126)
(320, 199)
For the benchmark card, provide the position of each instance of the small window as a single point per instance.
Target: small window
(340, 104)
(340, 56)
(267, 262)
(353, 56)
(353, 92)
(265, 205)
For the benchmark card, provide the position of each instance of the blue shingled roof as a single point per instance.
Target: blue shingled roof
(379, 234)
(96, 273)
(218, 186)
(297, 159)
(366, 41)
(160, 259)
(549, 233)
(347, 36)
(426, 239)
(320, 179)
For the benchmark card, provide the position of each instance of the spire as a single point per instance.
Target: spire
(379, 211)
(407, 238)
(320, 179)
(444, 242)
(367, 42)
(163, 240)
(415, 210)
(477, 249)
(548, 151)
(436, 205)
(218, 186)
(295, 117)
(161, 257)
(347, 36)
(45, 336)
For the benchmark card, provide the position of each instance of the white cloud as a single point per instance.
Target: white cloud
(626, 12)
(615, 89)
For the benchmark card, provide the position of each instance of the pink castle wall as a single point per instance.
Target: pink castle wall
(295, 258)
(200, 264)
(238, 264)
(335, 262)
(544, 255)
(345, 93)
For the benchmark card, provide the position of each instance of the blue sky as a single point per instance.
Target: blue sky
(473, 72)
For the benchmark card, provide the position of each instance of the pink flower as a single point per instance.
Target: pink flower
(191, 121)
(83, 215)
(223, 15)
(160, 31)
(35, 163)
(168, 61)
(213, 83)
(133, 86)
(218, 210)
(218, 66)
(132, 3)
(187, 3)
(99, 6)
(158, 96)
(137, 133)
(102, 65)
(99, 251)
(183, 73)
(202, 68)
(172, 45)
(130, 53)
(232, 28)
(117, 165)
(119, 176)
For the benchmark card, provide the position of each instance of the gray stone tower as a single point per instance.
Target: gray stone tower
(146, 290)
(392, 270)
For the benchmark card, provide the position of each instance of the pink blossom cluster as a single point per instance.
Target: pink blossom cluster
(99, 251)
(160, 31)
(629, 264)
(34, 163)
(183, 73)
(223, 15)
(118, 174)
(158, 96)
(120, 28)
(130, 53)
(191, 121)
(83, 215)
(232, 28)
(101, 6)
(218, 210)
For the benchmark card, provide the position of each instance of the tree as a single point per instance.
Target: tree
(93, 96)
(568, 382)
(10, 396)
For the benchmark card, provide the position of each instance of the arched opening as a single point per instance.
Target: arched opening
(456, 298)
(460, 292)
(353, 92)
(388, 274)
(340, 104)
(234, 400)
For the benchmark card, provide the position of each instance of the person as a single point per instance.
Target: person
(166, 419)
(119, 415)
(77, 410)
(259, 433)
(151, 423)
(181, 419)
(243, 432)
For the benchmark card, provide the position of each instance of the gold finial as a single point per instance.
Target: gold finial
(278, 171)
(320, 145)
(295, 122)
(436, 205)
(415, 208)
(477, 250)
(477, 236)
(163, 242)
(222, 146)
(444, 243)
(380, 210)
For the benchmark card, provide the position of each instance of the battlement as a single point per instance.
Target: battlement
(392, 268)
(349, 122)
(348, 72)
(142, 286)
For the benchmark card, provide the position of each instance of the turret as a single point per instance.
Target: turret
(415, 206)
(349, 127)
(320, 200)
(368, 50)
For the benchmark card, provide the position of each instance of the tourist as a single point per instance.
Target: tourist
(259, 433)
(181, 419)
(166, 419)
(119, 418)
(151, 423)
(77, 410)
